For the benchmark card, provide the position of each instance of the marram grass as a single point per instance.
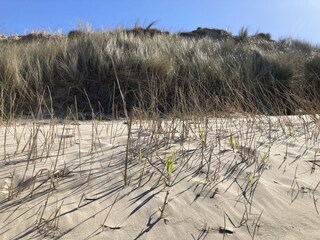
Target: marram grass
(160, 74)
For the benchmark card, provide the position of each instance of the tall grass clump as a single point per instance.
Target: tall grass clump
(158, 73)
(312, 74)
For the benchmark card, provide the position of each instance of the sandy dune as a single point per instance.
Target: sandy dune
(258, 179)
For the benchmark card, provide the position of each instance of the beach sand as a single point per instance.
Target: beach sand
(65, 180)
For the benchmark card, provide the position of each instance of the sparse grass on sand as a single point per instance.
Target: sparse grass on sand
(235, 177)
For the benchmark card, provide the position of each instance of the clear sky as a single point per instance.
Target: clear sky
(282, 18)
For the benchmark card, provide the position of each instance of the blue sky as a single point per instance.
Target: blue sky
(282, 18)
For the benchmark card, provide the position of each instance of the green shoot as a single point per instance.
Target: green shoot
(140, 155)
(202, 134)
(250, 179)
(232, 142)
(170, 163)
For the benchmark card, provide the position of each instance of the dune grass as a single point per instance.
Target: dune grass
(159, 74)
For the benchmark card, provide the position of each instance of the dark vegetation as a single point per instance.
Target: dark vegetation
(203, 71)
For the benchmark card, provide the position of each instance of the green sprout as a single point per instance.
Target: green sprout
(202, 134)
(170, 163)
(140, 155)
(232, 142)
(250, 179)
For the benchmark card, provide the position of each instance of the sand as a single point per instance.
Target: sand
(65, 180)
